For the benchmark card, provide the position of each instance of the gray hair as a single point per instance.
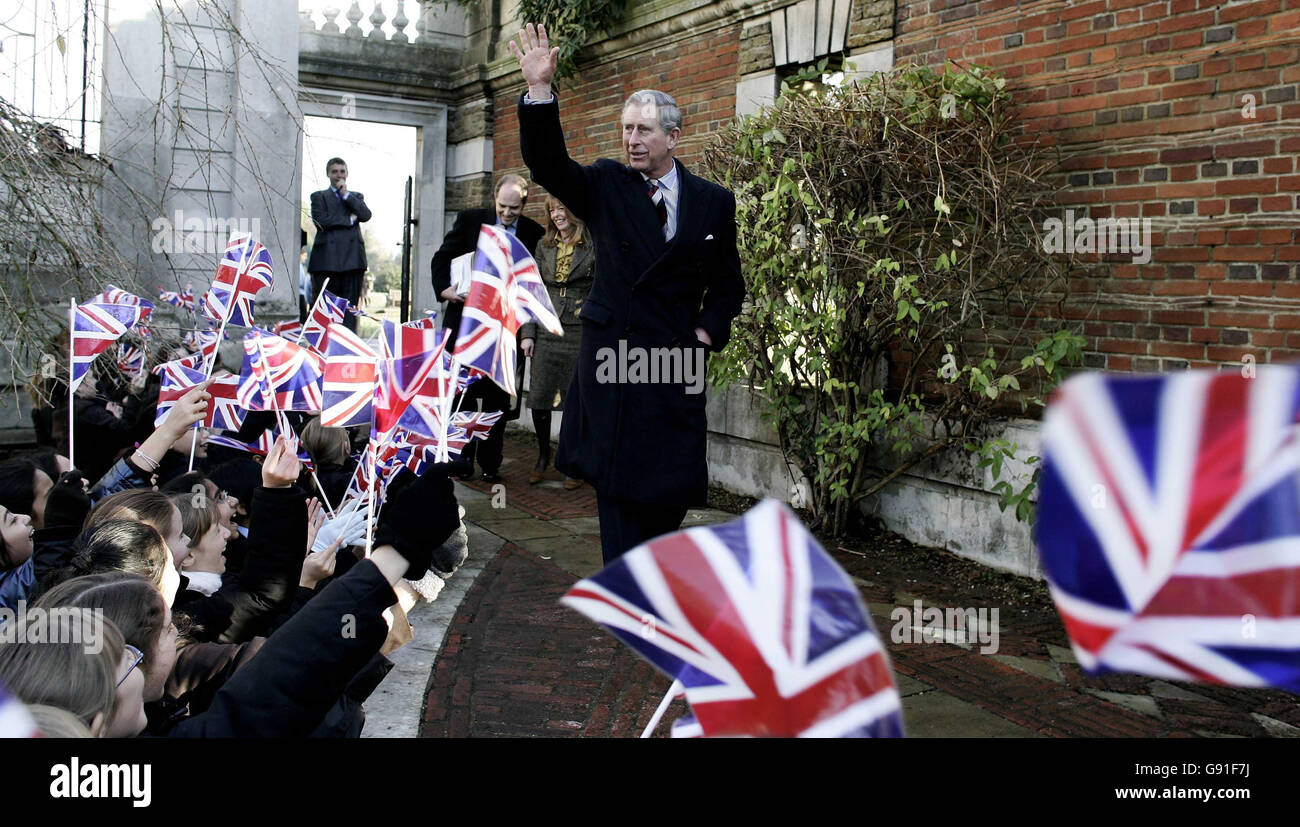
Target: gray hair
(670, 117)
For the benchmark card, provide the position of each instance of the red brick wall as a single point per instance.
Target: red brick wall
(700, 72)
(1145, 101)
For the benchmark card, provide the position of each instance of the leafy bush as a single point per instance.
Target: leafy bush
(898, 293)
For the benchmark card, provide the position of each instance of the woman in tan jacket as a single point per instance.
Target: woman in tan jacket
(566, 258)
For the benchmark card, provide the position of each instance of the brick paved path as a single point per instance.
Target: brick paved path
(516, 663)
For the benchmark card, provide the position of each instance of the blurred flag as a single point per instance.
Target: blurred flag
(766, 633)
(183, 299)
(130, 359)
(291, 329)
(1169, 524)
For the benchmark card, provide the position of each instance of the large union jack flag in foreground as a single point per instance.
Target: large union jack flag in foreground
(766, 633)
(97, 326)
(1169, 524)
(506, 291)
(244, 270)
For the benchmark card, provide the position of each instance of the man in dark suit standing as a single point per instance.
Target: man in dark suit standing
(667, 283)
(509, 198)
(338, 254)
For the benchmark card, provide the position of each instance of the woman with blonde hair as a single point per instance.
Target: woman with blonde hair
(566, 258)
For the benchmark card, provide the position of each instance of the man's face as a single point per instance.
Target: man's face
(338, 174)
(509, 204)
(649, 149)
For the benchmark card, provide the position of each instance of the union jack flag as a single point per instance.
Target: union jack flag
(351, 370)
(245, 269)
(767, 635)
(506, 291)
(1169, 524)
(432, 402)
(362, 479)
(409, 355)
(95, 327)
(291, 329)
(328, 310)
(224, 410)
(177, 380)
(261, 446)
(114, 295)
(279, 375)
(130, 359)
(185, 298)
(476, 424)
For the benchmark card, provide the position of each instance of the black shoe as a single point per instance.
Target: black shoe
(490, 476)
(465, 473)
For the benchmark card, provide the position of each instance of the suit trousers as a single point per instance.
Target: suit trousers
(346, 285)
(624, 525)
(489, 451)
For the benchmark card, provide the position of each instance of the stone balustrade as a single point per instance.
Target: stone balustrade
(430, 21)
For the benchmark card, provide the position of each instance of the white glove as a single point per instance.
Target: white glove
(348, 523)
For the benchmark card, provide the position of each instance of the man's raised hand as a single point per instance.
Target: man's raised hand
(537, 59)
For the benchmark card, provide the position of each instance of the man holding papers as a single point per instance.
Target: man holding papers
(455, 257)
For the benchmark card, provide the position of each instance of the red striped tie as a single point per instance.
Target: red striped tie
(657, 197)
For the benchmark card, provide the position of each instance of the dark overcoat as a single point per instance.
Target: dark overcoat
(338, 247)
(462, 238)
(639, 441)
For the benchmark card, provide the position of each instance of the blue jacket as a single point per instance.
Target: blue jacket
(17, 583)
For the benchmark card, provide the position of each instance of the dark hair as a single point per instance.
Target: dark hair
(135, 605)
(184, 484)
(17, 489)
(115, 545)
(46, 460)
(331, 162)
(139, 504)
(240, 477)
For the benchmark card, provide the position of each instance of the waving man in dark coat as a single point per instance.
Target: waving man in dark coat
(667, 287)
